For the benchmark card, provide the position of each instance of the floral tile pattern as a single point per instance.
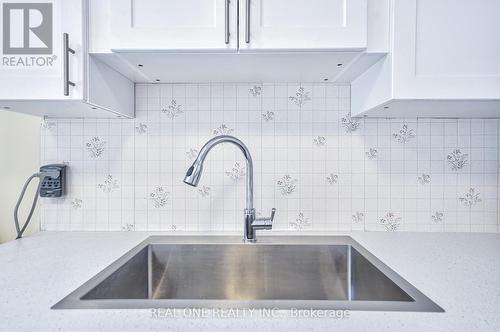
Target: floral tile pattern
(350, 124)
(332, 179)
(109, 185)
(470, 198)
(76, 203)
(95, 147)
(320, 141)
(204, 191)
(391, 222)
(322, 168)
(237, 172)
(128, 227)
(372, 154)
(47, 124)
(159, 197)
(223, 130)
(268, 116)
(457, 159)
(287, 185)
(173, 110)
(141, 128)
(404, 135)
(437, 217)
(300, 223)
(358, 217)
(255, 91)
(301, 97)
(424, 179)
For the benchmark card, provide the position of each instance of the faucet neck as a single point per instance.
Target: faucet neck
(249, 178)
(246, 153)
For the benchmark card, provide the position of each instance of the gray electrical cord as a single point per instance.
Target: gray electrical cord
(41, 176)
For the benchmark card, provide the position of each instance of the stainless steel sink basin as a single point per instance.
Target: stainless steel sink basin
(306, 272)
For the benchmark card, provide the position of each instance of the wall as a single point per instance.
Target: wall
(19, 158)
(321, 169)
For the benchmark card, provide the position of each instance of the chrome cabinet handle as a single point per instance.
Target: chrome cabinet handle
(247, 21)
(226, 27)
(66, 51)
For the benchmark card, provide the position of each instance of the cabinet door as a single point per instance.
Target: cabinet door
(32, 65)
(303, 24)
(173, 25)
(447, 49)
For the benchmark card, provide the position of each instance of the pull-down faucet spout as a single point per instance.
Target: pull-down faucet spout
(193, 176)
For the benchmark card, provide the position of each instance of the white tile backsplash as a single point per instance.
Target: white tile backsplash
(322, 169)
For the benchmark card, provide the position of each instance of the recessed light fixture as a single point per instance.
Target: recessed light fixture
(5, 107)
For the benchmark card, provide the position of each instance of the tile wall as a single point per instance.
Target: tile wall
(321, 169)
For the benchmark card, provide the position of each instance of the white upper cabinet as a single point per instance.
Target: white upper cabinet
(33, 53)
(239, 40)
(444, 62)
(447, 47)
(173, 25)
(46, 69)
(230, 25)
(303, 24)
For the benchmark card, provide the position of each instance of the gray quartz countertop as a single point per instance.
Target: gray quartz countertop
(459, 271)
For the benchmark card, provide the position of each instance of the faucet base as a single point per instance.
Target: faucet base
(248, 231)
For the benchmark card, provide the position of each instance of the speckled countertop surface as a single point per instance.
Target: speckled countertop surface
(459, 271)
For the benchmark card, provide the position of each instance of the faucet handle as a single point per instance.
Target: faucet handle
(264, 223)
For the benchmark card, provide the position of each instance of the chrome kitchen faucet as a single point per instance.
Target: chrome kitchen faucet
(252, 223)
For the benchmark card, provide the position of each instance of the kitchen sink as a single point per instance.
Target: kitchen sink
(220, 272)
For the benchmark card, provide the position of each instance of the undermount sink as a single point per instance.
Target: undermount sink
(219, 272)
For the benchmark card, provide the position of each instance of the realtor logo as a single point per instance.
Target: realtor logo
(27, 28)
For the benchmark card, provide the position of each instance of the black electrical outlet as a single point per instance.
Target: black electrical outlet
(53, 187)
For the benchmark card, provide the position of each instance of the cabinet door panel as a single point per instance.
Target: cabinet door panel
(32, 49)
(447, 49)
(173, 25)
(303, 24)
